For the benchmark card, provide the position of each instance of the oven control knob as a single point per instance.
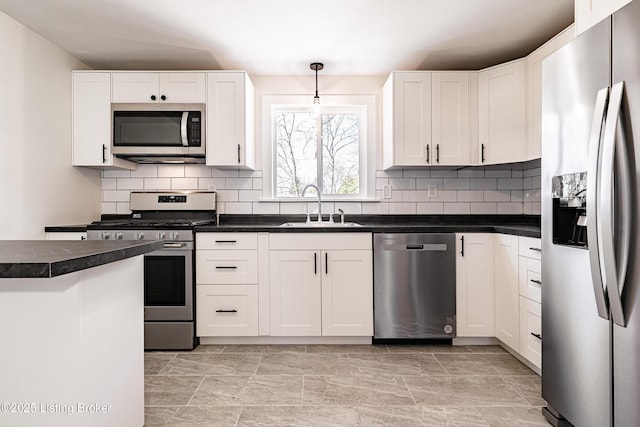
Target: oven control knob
(139, 235)
(175, 235)
(105, 236)
(118, 236)
(161, 235)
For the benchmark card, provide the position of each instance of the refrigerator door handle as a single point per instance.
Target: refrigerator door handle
(593, 181)
(614, 155)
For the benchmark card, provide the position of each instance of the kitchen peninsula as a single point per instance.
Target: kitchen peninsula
(72, 332)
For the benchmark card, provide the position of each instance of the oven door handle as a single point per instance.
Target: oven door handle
(174, 245)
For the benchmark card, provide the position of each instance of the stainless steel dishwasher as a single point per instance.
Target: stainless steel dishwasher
(414, 286)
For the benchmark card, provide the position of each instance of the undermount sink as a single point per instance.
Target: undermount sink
(314, 224)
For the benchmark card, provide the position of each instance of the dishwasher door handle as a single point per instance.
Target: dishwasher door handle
(427, 247)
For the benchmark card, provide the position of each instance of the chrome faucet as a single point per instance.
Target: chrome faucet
(341, 216)
(319, 202)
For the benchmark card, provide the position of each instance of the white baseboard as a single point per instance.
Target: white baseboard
(284, 340)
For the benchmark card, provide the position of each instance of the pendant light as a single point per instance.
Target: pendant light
(316, 66)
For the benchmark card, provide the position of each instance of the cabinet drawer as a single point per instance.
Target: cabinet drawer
(531, 331)
(226, 310)
(226, 267)
(239, 241)
(530, 247)
(530, 278)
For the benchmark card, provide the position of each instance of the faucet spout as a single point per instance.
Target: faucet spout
(319, 200)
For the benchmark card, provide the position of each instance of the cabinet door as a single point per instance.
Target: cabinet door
(230, 120)
(92, 119)
(501, 115)
(347, 293)
(412, 119)
(531, 331)
(534, 91)
(136, 87)
(474, 285)
(507, 291)
(65, 235)
(182, 87)
(451, 141)
(295, 295)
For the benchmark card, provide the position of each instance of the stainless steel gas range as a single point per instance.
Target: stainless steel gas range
(169, 272)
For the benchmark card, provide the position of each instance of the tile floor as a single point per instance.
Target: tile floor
(340, 385)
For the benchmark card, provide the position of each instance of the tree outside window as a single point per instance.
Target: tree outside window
(318, 148)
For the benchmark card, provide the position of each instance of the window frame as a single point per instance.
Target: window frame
(358, 110)
(368, 104)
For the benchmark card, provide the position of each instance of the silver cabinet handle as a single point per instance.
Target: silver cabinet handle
(614, 154)
(593, 188)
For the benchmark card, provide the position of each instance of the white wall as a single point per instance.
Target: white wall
(38, 185)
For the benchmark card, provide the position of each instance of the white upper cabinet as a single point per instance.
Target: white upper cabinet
(501, 113)
(589, 12)
(92, 121)
(451, 118)
(427, 118)
(407, 119)
(230, 120)
(154, 87)
(534, 91)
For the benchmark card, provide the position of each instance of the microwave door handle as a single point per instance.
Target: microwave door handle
(593, 214)
(183, 128)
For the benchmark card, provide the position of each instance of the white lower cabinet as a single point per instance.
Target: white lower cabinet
(227, 310)
(227, 284)
(295, 293)
(474, 285)
(531, 331)
(507, 290)
(321, 284)
(530, 284)
(347, 293)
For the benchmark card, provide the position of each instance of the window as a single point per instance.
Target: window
(324, 148)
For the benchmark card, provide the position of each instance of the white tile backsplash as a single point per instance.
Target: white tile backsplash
(497, 189)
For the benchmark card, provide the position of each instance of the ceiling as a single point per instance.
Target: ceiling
(281, 37)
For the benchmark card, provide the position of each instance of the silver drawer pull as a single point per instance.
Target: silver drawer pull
(226, 267)
(227, 311)
(536, 249)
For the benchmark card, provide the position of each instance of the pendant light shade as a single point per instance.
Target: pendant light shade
(316, 66)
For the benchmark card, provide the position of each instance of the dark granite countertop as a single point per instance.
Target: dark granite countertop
(51, 258)
(79, 228)
(519, 225)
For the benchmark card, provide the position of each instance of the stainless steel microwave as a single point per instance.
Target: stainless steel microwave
(159, 133)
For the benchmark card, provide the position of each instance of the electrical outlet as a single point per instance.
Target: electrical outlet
(432, 191)
(386, 192)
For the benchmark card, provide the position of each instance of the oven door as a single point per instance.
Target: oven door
(168, 283)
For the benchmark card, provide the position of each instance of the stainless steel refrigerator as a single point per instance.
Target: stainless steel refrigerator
(590, 241)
